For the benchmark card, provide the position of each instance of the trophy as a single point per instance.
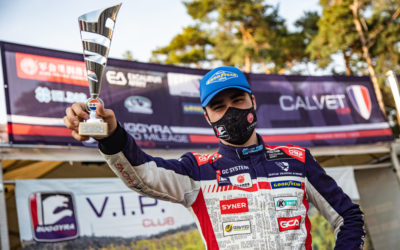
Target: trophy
(96, 30)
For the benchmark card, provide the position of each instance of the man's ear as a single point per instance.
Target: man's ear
(205, 116)
(254, 101)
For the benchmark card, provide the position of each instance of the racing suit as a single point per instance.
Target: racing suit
(242, 198)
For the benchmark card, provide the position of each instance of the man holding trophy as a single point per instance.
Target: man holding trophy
(259, 205)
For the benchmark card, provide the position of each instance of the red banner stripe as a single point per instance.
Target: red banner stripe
(34, 212)
(203, 139)
(304, 137)
(329, 136)
(24, 129)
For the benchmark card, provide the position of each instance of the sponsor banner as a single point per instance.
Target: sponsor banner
(62, 209)
(159, 105)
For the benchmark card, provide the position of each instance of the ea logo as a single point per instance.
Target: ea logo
(250, 117)
(93, 104)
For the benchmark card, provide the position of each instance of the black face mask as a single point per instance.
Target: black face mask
(236, 126)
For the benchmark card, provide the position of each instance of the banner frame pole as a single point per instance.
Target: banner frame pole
(5, 244)
(395, 159)
(392, 82)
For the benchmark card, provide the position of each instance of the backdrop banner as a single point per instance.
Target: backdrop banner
(159, 105)
(51, 210)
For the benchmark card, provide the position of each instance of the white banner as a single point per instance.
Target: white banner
(59, 209)
(344, 176)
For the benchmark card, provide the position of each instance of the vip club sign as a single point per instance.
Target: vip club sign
(63, 209)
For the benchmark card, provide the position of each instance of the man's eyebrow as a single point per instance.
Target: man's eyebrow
(237, 94)
(215, 102)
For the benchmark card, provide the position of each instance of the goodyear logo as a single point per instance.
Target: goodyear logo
(285, 184)
(221, 76)
(192, 108)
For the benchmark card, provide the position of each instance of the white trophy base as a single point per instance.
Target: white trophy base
(93, 129)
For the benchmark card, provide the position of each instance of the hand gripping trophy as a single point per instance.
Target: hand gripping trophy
(96, 29)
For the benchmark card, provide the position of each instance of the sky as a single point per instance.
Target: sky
(141, 25)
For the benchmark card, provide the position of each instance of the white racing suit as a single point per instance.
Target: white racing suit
(242, 198)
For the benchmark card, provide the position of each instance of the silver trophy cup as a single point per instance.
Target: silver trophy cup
(96, 29)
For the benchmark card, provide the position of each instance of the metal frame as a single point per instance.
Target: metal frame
(5, 242)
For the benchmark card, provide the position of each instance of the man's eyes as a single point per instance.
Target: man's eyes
(238, 99)
(217, 107)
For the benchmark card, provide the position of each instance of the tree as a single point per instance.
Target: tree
(365, 32)
(335, 36)
(188, 47)
(128, 55)
(237, 33)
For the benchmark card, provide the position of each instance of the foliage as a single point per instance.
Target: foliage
(188, 47)
(323, 237)
(128, 55)
(337, 35)
(239, 33)
(322, 233)
(185, 238)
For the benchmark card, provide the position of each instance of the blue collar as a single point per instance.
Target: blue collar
(242, 152)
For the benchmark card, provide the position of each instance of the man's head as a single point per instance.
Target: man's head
(219, 79)
(229, 105)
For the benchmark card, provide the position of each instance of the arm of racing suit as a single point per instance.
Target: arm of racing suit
(344, 216)
(171, 180)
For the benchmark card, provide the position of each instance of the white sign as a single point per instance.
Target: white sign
(184, 84)
(98, 207)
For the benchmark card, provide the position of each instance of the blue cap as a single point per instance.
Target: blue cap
(219, 79)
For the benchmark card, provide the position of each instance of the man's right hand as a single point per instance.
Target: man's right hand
(77, 113)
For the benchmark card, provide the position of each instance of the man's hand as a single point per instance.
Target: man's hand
(77, 113)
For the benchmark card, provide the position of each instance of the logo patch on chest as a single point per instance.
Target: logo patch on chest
(285, 184)
(241, 180)
(283, 203)
(236, 227)
(234, 206)
(283, 165)
(292, 223)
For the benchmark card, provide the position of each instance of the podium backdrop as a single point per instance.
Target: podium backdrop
(159, 105)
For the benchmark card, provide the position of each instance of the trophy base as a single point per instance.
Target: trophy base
(93, 129)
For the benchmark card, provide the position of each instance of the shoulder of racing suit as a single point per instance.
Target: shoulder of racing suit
(206, 158)
(293, 151)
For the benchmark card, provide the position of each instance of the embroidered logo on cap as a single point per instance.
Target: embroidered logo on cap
(221, 76)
